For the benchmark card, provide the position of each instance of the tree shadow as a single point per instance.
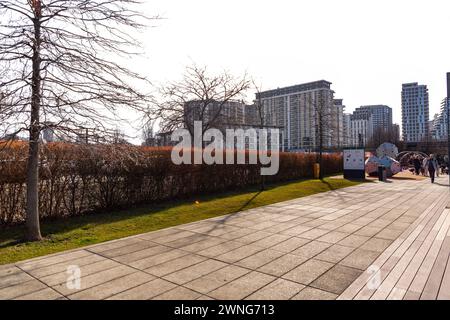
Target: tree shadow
(53, 226)
(328, 184)
(12, 243)
(331, 188)
(224, 219)
(248, 202)
(13, 235)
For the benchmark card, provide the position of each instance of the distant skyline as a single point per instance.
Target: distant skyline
(366, 49)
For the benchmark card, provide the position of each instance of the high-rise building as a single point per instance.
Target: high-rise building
(361, 129)
(252, 116)
(396, 132)
(415, 112)
(448, 85)
(302, 110)
(381, 116)
(228, 115)
(445, 113)
(440, 122)
(215, 113)
(446, 116)
(338, 124)
(347, 132)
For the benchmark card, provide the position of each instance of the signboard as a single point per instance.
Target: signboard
(354, 159)
(354, 164)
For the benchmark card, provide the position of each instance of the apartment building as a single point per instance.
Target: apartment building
(361, 129)
(347, 124)
(215, 114)
(302, 111)
(381, 116)
(338, 122)
(415, 112)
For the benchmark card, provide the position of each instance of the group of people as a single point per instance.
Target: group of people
(429, 166)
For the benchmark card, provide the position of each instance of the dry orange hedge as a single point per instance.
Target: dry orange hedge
(80, 179)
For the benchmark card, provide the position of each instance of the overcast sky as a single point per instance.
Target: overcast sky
(367, 49)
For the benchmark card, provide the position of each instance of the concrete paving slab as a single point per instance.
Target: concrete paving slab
(316, 247)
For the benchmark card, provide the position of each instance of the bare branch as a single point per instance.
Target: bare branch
(199, 96)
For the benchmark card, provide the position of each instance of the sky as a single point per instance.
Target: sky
(367, 49)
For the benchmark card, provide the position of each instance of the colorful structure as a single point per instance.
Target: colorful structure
(387, 150)
(386, 154)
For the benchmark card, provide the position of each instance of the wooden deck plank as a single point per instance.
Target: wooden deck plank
(431, 290)
(411, 271)
(444, 291)
(441, 221)
(390, 257)
(388, 284)
(424, 271)
(406, 253)
(360, 284)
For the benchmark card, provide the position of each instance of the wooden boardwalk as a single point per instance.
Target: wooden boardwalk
(416, 265)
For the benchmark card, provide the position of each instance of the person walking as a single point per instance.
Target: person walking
(437, 166)
(432, 166)
(417, 165)
(446, 166)
(424, 167)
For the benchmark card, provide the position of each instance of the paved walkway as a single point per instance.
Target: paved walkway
(376, 240)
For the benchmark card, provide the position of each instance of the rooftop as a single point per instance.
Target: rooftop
(321, 84)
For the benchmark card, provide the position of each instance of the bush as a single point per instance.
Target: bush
(80, 179)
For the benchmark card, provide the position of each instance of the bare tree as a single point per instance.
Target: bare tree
(325, 126)
(58, 61)
(382, 135)
(200, 96)
(259, 120)
(426, 143)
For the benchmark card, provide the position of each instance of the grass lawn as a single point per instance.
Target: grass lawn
(81, 231)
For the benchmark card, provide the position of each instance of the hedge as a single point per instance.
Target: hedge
(84, 179)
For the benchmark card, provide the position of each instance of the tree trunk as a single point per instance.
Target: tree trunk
(321, 150)
(263, 178)
(32, 220)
